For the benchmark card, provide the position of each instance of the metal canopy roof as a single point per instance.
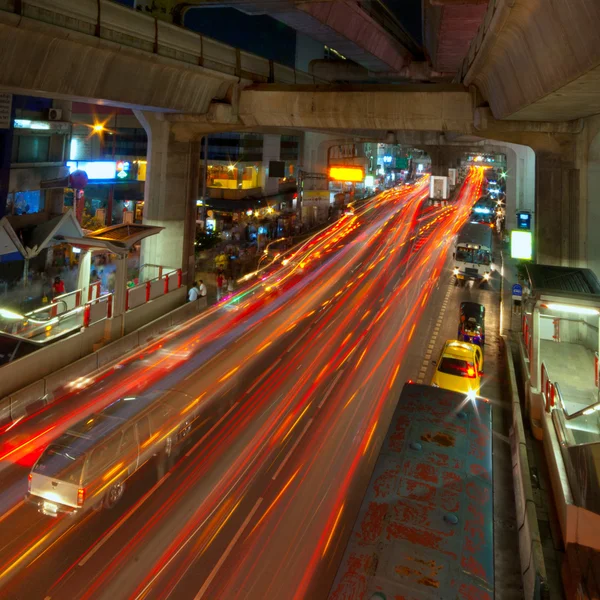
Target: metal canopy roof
(116, 238)
(9, 241)
(563, 280)
(30, 241)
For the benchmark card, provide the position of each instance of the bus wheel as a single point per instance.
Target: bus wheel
(114, 494)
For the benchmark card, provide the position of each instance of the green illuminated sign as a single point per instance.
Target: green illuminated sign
(521, 245)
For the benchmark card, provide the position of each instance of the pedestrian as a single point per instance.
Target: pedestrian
(58, 287)
(201, 289)
(220, 284)
(193, 293)
(230, 286)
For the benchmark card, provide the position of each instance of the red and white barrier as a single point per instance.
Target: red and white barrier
(166, 282)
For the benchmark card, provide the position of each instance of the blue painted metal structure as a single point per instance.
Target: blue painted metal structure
(425, 527)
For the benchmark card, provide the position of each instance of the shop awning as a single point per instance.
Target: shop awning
(118, 239)
(9, 240)
(550, 279)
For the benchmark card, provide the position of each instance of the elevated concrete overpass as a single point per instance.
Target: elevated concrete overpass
(97, 50)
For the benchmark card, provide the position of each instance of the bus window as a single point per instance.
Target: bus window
(464, 255)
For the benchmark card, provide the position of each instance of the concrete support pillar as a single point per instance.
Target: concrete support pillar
(520, 179)
(6, 143)
(271, 151)
(593, 196)
(120, 286)
(443, 159)
(557, 208)
(313, 206)
(83, 275)
(171, 191)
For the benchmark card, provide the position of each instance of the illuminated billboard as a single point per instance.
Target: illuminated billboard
(521, 244)
(353, 174)
(100, 169)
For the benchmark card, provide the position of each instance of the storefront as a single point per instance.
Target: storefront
(115, 192)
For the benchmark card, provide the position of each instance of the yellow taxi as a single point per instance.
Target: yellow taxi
(459, 368)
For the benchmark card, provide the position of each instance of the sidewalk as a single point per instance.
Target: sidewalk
(547, 519)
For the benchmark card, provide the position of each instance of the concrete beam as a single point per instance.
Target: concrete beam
(484, 121)
(538, 61)
(64, 64)
(413, 108)
(340, 24)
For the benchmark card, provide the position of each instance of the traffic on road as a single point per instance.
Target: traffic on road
(219, 460)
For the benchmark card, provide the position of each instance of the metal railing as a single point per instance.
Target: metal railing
(121, 25)
(167, 281)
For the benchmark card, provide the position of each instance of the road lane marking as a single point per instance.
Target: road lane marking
(287, 456)
(228, 550)
(330, 388)
(12, 510)
(122, 521)
(193, 448)
(296, 342)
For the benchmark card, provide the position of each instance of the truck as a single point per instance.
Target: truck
(473, 254)
(425, 528)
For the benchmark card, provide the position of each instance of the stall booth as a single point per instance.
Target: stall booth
(559, 358)
(560, 339)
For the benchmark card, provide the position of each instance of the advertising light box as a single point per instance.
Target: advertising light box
(521, 244)
(351, 174)
(100, 169)
(438, 188)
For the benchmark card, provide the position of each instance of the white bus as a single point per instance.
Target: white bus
(473, 253)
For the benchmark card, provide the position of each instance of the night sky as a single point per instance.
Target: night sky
(261, 35)
(408, 12)
(271, 39)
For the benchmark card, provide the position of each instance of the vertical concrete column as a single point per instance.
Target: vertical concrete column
(535, 361)
(170, 194)
(514, 173)
(271, 151)
(83, 275)
(557, 206)
(6, 144)
(442, 159)
(314, 194)
(593, 201)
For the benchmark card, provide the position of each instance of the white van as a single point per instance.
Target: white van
(89, 464)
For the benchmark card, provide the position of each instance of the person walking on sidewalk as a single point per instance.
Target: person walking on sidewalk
(201, 289)
(58, 287)
(220, 285)
(193, 293)
(230, 286)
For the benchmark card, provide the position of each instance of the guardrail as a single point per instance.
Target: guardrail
(548, 389)
(527, 337)
(153, 288)
(98, 310)
(65, 302)
(121, 25)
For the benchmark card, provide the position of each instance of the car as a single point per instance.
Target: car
(459, 368)
(471, 324)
